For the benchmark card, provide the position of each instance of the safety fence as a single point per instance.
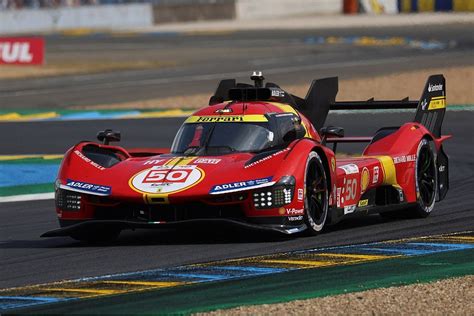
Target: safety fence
(406, 6)
(23, 16)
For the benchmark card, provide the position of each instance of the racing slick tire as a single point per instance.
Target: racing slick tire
(426, 180)
(316, 201)
(97, 235)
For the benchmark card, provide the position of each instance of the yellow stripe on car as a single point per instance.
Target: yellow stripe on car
(389, 171)
(227, 118)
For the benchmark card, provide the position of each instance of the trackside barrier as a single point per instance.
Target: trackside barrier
(21, 51)
(407, 6)
(252, 9)
(87, 17)
(166, 11)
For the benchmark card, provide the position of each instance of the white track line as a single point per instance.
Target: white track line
(27, 197)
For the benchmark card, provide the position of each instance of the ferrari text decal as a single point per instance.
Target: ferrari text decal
(92, 163)
(227, 118)
(208, 161)
(88, 187)
(241, 185)
(166, 179)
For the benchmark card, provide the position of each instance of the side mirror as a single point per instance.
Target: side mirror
(331, 131)
(108, 136)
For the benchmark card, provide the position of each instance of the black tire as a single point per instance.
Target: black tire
(426, 180)
(97, 235)
(316, 200)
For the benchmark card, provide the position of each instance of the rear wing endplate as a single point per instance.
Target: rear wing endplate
(430, 109)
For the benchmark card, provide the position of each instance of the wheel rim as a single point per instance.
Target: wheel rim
(426, 176)
(316, 193)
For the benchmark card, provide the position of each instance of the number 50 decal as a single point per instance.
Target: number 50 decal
(160, 176)
(159, 180)
(351, 189)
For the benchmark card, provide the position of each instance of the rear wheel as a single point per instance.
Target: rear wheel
(426, 180)
(316, 197)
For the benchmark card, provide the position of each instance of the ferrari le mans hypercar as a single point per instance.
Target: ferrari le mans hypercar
(258, 156)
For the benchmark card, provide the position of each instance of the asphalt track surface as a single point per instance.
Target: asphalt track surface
(288, 57)
(28, 259)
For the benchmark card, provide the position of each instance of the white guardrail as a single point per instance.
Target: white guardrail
(253, 9)
(48, 20)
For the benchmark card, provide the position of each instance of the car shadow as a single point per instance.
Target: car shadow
(205, 234)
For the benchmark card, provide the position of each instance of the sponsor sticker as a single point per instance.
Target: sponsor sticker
(267, 158)
(208, 161)
(349, 209)
(375, 177)
(92, 163)
(333, 164)
(364, 180)
(153, 162)
(224, 110)
(435, 87)
(294, 211)
(402, 159)
(166, 179)
(241, 185)
(350, 168)
(424, 103)
(295, 218)
(21, 51)
(338, 197)
(88, 187)
(400, 195)
(363, 203)
(437, 103)
(300, 195)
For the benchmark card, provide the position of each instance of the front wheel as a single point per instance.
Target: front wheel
(316, 195)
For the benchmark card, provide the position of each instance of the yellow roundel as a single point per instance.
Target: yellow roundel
(364, 179)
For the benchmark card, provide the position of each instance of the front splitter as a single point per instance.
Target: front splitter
(124, 224)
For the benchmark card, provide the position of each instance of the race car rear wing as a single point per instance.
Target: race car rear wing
(430, 109)
(321, 98)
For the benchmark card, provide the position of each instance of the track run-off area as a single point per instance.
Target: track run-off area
(253, 280)
(209, 268)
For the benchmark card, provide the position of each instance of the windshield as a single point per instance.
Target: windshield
(222, 138)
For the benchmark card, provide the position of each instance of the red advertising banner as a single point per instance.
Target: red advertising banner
(21, 51)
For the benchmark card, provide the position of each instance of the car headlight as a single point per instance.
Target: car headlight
(281, 193)
(68, 200)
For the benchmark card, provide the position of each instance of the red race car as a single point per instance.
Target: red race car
(258, 156)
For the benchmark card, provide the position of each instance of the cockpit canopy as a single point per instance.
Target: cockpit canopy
(219, 135)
